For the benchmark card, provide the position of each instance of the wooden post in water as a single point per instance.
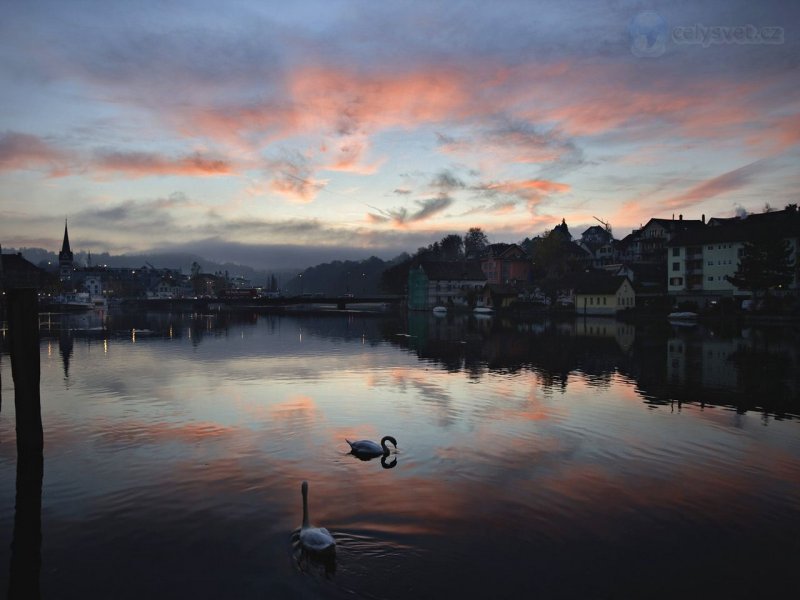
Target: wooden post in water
(23, 331)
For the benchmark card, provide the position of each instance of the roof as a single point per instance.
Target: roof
(508, 251)
(598, 282)
(460, 270)
(563, 230)
(675, 225)
(782, 223)
(18, 272)
(597, 231)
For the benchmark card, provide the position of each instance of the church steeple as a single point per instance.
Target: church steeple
(65, 245)
(65, 257)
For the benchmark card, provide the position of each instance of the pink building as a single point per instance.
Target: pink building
(505, 263)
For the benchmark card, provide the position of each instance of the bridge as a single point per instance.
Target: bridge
(208, 304)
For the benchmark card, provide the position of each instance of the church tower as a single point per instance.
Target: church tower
(65, 257)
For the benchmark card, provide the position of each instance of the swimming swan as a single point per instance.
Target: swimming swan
(368, 448)
(314, 539)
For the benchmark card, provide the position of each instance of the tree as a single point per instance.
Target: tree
(451, 247)
(475, 241)
(765, 264)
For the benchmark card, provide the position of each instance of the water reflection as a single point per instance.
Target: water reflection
(550, 458)
(748, 368)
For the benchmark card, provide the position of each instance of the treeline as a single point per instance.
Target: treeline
(339, 278)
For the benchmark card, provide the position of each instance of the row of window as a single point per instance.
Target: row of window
(621, 301)
(677, 251)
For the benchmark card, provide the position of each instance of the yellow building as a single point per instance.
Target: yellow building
(599, 293)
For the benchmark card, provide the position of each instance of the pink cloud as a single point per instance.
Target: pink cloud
(533, 191)
(142, 164)
(727, 182)
(23, 151)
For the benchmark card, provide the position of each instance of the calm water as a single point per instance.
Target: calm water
(588, 459)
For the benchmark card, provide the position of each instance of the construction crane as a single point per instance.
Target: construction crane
(606, 224)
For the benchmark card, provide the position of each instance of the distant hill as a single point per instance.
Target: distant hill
(183, 261)
(334, 278)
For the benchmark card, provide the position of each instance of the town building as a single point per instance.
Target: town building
(498, 295)
(444, 283)
(599, 245)
(601, 293)
(16, 272)
(702, 263)
(505, 264)
(649, 244)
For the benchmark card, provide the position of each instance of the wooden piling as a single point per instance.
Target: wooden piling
(23, 332)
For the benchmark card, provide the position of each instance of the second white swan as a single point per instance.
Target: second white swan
(314, 539)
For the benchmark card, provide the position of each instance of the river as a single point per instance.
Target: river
(586, 458)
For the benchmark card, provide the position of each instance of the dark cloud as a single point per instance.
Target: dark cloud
(148, 217)
(426, 209)
(727, 182)
(292, 176)
(446, 181)
(517, 141)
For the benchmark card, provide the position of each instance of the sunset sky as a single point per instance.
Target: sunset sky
(286, 134)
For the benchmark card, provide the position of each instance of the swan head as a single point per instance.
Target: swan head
(388, 438)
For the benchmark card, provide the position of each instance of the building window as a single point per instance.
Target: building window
(676, 252)
(604, 301)
(676, 266)
(711, 279)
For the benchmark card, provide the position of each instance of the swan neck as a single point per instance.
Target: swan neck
(387, 438)
(305, 507)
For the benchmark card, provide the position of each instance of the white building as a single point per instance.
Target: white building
(701, 262)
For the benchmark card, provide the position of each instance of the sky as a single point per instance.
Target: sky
(286, 134)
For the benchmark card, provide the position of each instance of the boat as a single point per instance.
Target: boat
(482, 310)
(439, 310)
(78, 301)
(683, 316)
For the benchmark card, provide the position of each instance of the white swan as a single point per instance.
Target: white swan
(368, 448)
(314, 539)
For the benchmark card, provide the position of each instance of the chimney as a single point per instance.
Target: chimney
(680, 217)
(703, 218)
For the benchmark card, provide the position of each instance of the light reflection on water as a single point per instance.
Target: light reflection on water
(575, 459)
